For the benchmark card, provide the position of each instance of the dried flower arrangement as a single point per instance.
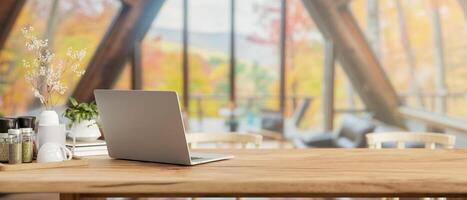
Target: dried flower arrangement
(45, 74)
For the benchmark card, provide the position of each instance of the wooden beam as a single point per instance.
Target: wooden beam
(373, 27)
(130, 26)
(9, 11)
(328, 85)
(282, 70)
(136, 68)
(232, 94)
(438, 52)
(337, 23)
(463, 4)
(185, 59)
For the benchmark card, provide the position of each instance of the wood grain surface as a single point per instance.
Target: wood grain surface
(76, 161)
(281, 173)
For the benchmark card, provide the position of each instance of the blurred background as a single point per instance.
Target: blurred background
(251, 65)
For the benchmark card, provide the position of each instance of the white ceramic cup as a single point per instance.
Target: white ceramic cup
(53, 152)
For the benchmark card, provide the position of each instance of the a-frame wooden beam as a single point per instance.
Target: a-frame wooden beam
(9, 11)
(130, 26)
(463, 4)
(336, 22)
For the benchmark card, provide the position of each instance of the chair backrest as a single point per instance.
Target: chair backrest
(353, 130)
(300, 111)
(376, 140)
(271, 120)
(218, 138)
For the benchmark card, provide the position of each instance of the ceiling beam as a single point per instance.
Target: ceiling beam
(336, 22)
(9, 11)
(130, 26)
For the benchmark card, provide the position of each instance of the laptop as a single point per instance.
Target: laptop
(146, 126)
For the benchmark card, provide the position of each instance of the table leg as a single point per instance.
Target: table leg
(69, 196)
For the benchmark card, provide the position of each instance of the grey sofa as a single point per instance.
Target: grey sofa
(351, 134)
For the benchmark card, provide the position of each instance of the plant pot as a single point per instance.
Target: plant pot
(48, 118)
(86, 130)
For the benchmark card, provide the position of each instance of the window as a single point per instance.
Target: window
(162, 49)
(79, 24)
(409, 53)
(208, 63)
(257, 64)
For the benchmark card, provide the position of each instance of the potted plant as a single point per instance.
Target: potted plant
(83, 117)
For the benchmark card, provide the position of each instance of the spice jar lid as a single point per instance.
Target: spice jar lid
(3, 135)
(7, 123)
(26, 122)
(14, 132)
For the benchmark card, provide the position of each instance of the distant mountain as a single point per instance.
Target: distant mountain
(265, 55)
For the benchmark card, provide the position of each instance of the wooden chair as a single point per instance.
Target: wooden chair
(193, 139)
(376, 140)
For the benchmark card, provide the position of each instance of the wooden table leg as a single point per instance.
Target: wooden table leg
(69, 196)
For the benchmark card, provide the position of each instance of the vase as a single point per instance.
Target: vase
(48, 118)
(51, 134)
(86, 130)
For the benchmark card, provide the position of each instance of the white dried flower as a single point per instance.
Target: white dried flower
(45, 75)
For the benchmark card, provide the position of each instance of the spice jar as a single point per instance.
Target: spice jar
(4, 147)
(27, 144)
(15, 148)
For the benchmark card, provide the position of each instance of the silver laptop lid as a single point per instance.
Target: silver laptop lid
(143, 125)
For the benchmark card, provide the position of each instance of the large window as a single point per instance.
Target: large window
(421, 45)
(80, 24)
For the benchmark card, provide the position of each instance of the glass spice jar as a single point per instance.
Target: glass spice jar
(15, 148)
(4, 147)
(27, 144)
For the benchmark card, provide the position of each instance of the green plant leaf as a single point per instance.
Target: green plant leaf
(78, 112)
(73, 102)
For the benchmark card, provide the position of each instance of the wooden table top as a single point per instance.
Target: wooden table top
(298, 173)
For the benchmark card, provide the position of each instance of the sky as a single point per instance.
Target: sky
(212, 16)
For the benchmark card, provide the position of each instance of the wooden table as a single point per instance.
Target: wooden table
(262, 173)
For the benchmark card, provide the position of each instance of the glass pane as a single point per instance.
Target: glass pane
(304, 64)
(208, 63)
(257, 50)
(305, 71)
(77, 24)
(162, 50)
